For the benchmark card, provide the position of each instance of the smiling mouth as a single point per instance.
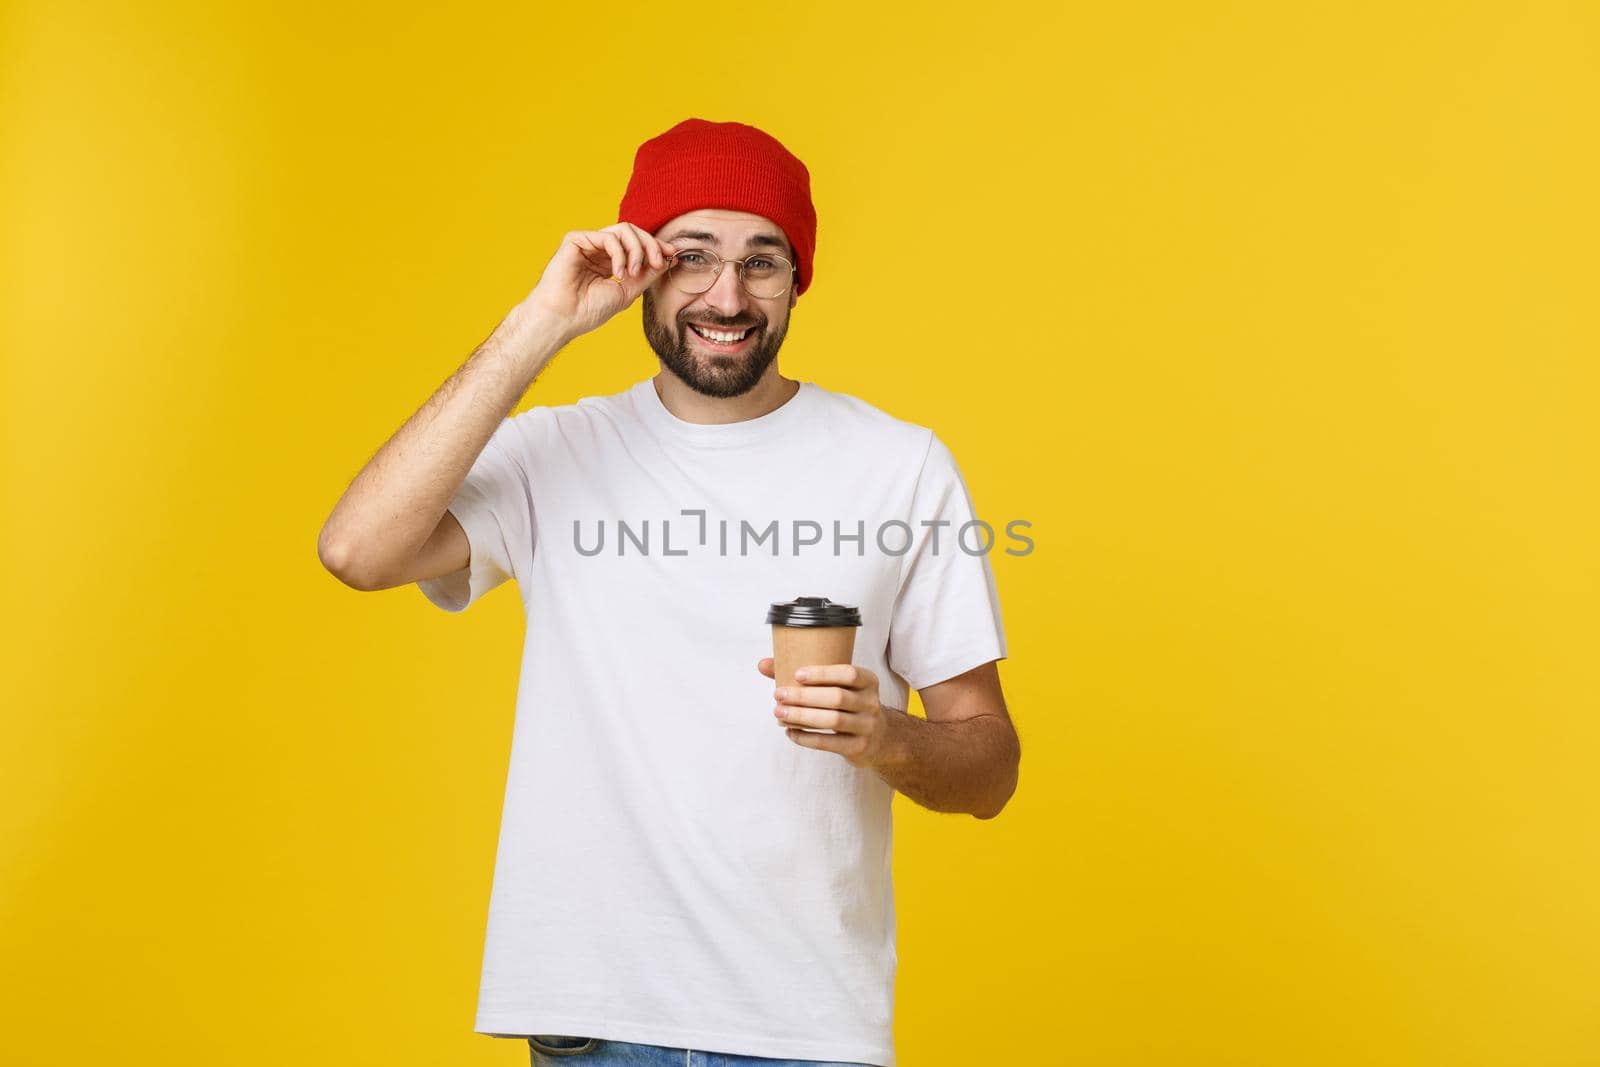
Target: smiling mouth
(719, 340)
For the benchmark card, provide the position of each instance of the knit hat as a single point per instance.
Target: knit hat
(700, 164)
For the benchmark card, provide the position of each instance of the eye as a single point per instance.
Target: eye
(760, 263)
(690, 257)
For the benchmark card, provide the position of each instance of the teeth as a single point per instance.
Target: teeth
(719, 336)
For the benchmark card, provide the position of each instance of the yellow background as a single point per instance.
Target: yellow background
(1275, 320)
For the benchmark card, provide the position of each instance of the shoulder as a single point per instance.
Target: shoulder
(859, 423)
(575, 421)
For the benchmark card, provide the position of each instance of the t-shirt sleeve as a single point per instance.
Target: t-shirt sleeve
(946, 617)
(495, 507)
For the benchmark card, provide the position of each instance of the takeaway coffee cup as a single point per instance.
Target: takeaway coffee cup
(810, 630)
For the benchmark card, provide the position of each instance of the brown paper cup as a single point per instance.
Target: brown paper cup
(811, 631)
(803, 646)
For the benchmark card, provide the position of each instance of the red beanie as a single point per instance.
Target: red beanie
(699, 164)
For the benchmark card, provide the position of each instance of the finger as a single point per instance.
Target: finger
(846, 674)
(765, 666)
(652, 248)
(665, 251)
(600, 249)
(816, 719)
(668, 250)
(825, 742)
(804, 739)
(619, 255)
(630, 241)
(817, 696)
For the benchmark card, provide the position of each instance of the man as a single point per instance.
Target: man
(690, 860)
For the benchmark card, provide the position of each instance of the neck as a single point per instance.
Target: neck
(769, 394)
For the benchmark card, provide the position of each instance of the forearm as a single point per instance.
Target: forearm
(395, 502)
(965, 766)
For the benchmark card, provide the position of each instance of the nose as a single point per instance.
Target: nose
(726, 296)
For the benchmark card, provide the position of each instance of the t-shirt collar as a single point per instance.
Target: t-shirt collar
(772, 427)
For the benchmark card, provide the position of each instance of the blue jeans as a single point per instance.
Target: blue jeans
(545, 1050)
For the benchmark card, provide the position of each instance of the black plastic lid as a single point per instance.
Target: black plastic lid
(813, 611)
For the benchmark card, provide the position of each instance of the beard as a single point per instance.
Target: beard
(711, 373)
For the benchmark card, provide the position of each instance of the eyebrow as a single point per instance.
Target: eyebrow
(760, 240)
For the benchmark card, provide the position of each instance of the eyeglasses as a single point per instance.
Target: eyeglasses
(764, 276)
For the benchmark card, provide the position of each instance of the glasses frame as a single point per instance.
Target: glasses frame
(739, 263)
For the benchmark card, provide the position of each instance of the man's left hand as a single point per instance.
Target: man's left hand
(836, 696)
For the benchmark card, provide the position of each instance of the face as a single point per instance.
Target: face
(704, 365)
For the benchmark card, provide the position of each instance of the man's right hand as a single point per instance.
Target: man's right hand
(575, 291)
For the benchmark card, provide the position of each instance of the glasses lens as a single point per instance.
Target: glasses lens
(766, 276)
(693, 271)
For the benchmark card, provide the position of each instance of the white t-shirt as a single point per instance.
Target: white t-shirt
(672, 868)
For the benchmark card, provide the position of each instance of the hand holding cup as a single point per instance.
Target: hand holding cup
(816, 637)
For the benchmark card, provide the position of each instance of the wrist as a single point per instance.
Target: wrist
(894, 746)
(532, 332)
